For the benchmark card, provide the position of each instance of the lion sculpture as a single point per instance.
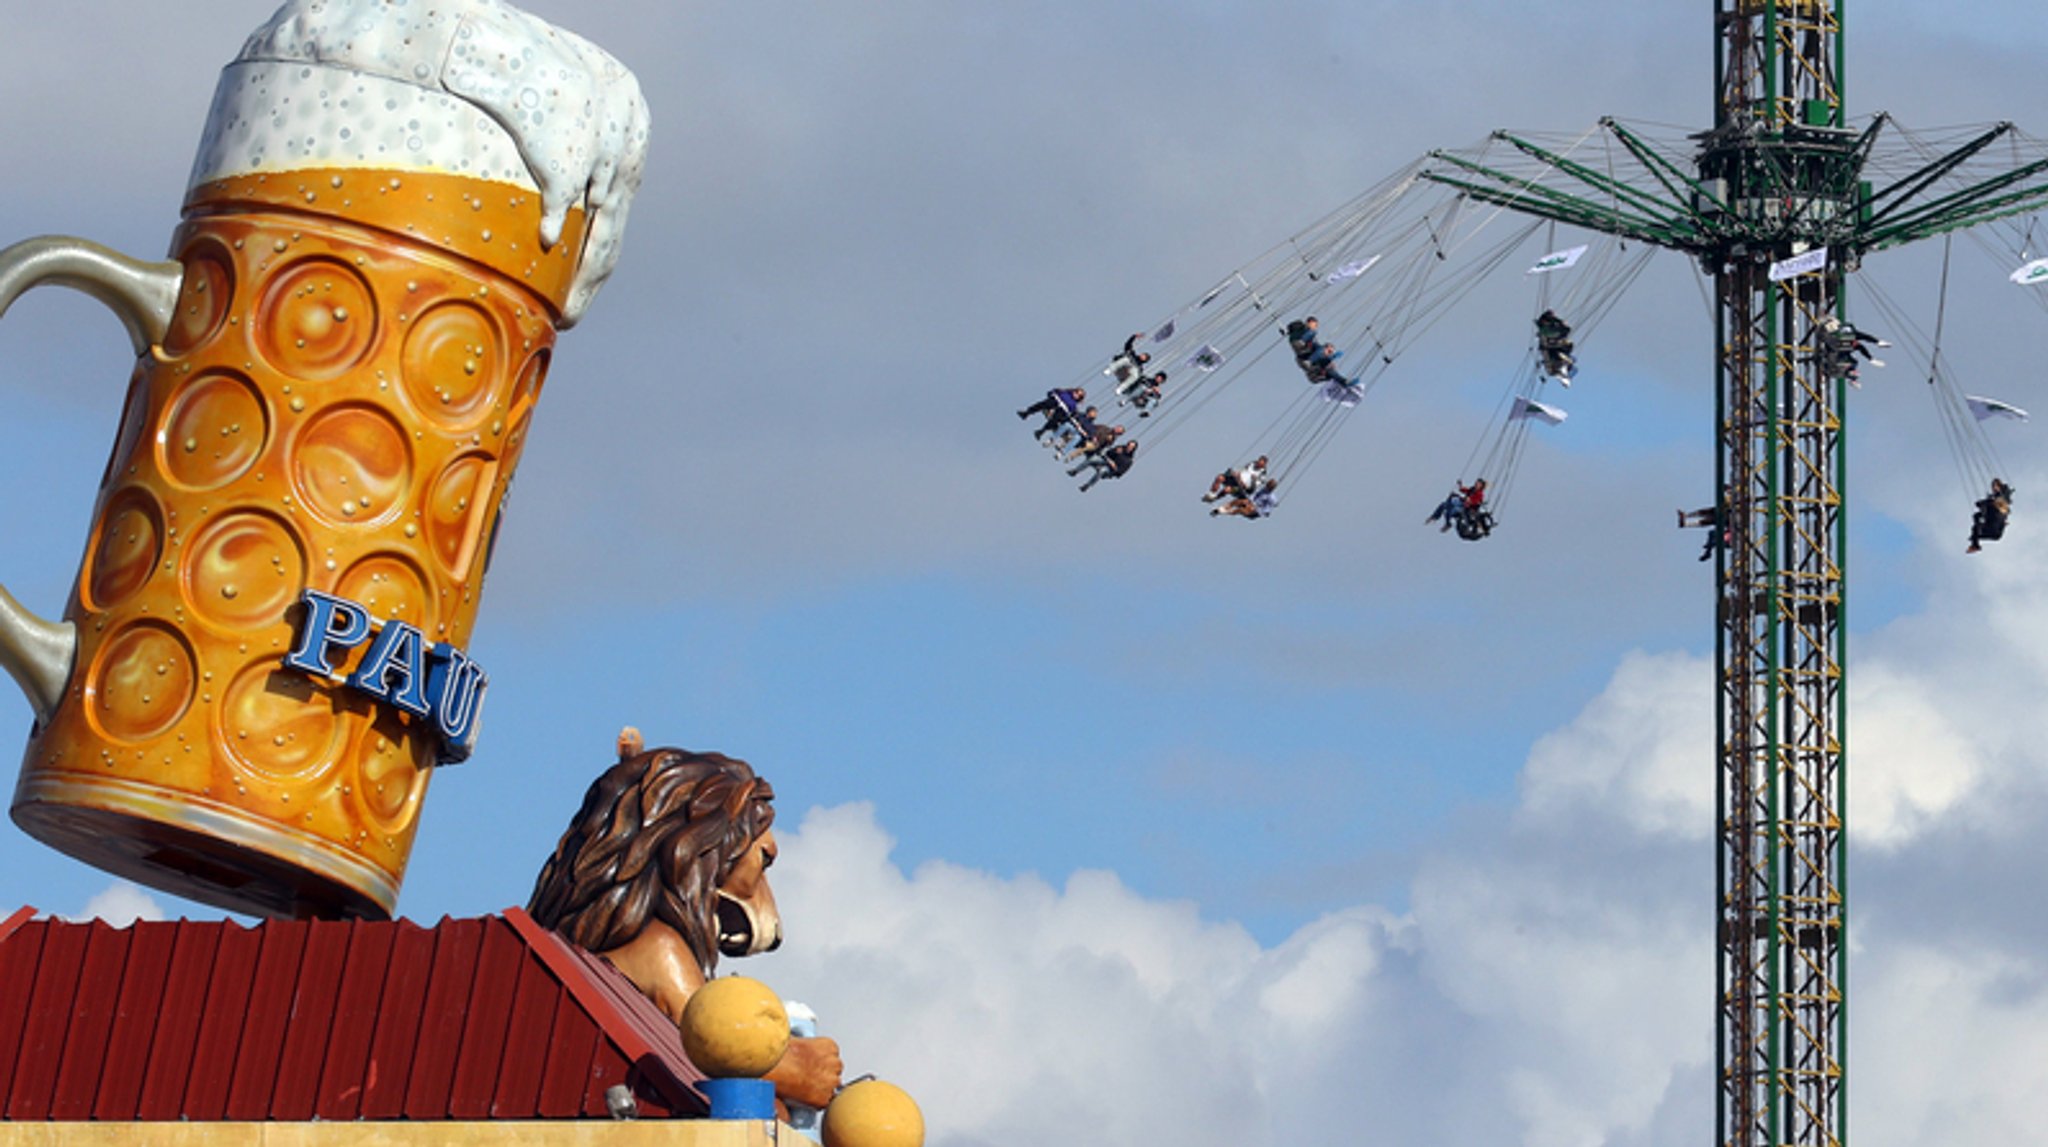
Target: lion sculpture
(665, 869)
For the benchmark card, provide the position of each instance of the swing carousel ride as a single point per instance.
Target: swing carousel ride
(1778, 203)
(1378, 274)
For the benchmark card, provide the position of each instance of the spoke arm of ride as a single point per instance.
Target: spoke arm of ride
(2005, 206)
(1530, 198)
(1660, 166)
(1974, 204)
(1670, 214)
(1868, 140)
(1571, 212)
(1906, 188)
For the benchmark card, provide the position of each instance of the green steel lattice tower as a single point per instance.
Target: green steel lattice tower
(1779, 174)
(1779, 150)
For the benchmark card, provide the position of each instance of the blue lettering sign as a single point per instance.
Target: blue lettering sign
(332, 626)
(398, 651)
(436, 684)
(457, 685)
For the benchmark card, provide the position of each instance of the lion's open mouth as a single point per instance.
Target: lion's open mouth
(745, 928)
(735, 928)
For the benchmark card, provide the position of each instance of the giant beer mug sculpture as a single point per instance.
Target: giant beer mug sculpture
(394, 209)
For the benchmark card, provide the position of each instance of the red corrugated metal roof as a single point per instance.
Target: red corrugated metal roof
(490, 1018)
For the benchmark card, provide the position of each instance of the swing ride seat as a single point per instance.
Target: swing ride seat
(1474, 525)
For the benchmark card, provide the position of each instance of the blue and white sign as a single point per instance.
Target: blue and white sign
(435, 683)
(1801, 264)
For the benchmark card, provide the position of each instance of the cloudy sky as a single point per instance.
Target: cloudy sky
(1103, 820)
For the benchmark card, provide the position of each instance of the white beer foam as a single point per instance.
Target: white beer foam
(468, 87)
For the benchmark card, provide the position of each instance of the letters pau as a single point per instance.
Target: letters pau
(436, 683)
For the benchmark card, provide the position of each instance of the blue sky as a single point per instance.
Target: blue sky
(1327, 781)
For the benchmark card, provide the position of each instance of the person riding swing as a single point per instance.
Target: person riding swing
(1129, 362)
(1464, 511)
(1476, 521)
(1988, 523)
(1554, 339)
(1238, 483)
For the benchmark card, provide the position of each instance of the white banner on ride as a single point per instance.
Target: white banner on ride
(1558, 260)
(1206, 358)
(1350, 270)
(1989, 408)
(2034, 272)
(1812, 260)
(1541, 412)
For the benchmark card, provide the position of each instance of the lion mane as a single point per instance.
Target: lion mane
(656, 836)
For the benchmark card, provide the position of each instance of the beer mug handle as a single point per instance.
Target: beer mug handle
(37, 652)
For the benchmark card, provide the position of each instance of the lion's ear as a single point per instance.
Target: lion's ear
(630, 742)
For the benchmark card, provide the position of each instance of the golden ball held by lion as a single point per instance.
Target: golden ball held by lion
(665, 869)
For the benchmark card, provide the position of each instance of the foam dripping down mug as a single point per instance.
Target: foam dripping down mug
(393, 211)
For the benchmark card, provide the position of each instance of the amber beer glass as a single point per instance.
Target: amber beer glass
(337, 375)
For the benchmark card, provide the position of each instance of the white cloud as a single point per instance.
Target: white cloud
(1911, 763)
(1643, 749)
(1551, 980)
(1955, 1053)
(1023, 1013)
(120, 904)
(1020, 1012)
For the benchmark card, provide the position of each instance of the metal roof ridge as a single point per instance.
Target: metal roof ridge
(21, 916)
(575, 973)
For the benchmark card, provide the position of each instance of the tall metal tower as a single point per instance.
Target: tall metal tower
(1780, 175)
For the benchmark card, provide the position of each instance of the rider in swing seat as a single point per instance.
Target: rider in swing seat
(1554, 339)
(1988, 523)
